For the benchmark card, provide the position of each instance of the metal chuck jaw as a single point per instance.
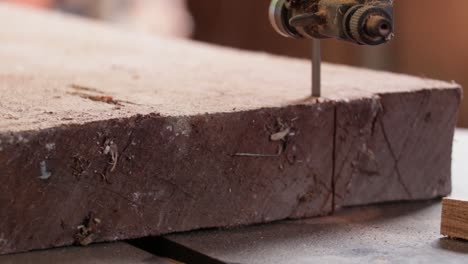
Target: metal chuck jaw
(362, 22)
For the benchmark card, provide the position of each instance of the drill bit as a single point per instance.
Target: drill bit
(316, 68)
(362, 22)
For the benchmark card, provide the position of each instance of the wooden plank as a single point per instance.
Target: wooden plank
(454, 218)
(108, 135)
(387, 150)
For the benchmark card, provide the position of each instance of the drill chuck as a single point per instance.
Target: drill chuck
(362, 22)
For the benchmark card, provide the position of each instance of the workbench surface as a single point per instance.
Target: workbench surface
(390, 233)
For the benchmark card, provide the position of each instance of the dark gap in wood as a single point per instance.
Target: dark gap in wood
(335, 128)
(163, 247)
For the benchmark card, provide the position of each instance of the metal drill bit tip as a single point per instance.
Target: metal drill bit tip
(316, 68)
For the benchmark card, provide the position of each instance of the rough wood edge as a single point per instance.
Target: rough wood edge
(454, 222)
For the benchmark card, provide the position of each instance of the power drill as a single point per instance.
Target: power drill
(364, 22)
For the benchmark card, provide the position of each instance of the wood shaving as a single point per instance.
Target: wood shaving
(280, 135)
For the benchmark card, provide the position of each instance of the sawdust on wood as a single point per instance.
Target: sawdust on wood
(280, 135)
(98, 98)
(111, 149)
(283, 131)
(85, 88)
(95, 95)
(86, 232)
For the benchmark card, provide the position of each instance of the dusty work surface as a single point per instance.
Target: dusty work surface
(393, 233)
(107, 135)
(111, 253)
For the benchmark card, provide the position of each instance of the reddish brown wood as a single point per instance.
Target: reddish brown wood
(122, 135)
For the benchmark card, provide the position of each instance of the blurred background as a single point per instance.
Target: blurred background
(431, 35)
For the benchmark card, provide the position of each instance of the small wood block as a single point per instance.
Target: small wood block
(454, 218)
(108, 135)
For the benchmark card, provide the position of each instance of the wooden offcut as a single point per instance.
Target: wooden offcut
(108, 135)
(454, 218)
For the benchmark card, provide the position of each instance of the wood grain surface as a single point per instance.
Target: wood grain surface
(455, 218)
(108, 135)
